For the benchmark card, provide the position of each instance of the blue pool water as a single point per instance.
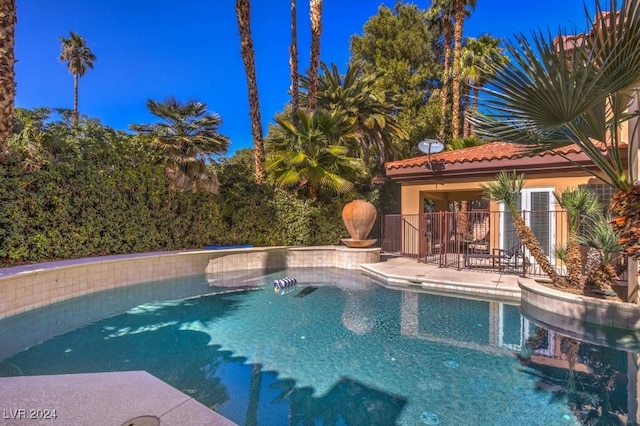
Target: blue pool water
(350, 352)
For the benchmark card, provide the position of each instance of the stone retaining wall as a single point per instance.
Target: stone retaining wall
(536, 299)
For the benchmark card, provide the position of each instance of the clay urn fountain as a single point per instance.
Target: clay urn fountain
(359, 217)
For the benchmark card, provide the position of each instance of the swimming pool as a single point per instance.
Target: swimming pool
(350, 352)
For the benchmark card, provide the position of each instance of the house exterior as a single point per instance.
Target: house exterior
(450, 177)
(434, 186)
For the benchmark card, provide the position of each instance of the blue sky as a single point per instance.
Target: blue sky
(190, 49)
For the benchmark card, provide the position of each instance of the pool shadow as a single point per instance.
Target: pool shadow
(348, 401)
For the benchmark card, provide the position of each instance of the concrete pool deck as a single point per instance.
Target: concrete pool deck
(132, 398)
(403, 271)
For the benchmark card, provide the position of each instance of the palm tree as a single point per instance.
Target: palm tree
(461, 9)
(7, 72)
(475, 52)
(316, 30)
(376, 125)
(601, 238)
(79, 58)
(442, 11)
(542, 99)
(314, 155)
(189, 139)
(507, 188)
(243, 12)
(293, 61)
(581, 206)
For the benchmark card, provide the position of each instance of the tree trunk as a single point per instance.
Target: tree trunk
(445, 75)
(457, 50)
(603, 275)
(468, 102)
(574, 262)
(474, 108)
(533, 245)
(8, 21)
(243, 11)
(633, 272)
(316, 30)
(76, 115)
(293, 63)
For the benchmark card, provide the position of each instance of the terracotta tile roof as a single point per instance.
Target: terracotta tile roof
(486, 152)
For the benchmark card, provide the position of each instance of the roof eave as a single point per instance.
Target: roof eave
(486, 169)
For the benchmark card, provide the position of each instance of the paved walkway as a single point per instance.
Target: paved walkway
(100, 399)
(409, 272)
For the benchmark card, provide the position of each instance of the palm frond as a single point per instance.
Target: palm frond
(558, 90)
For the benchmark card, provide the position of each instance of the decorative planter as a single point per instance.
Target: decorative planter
(359, 216)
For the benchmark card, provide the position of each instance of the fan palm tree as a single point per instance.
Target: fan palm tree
(376, 126)
(189, 139)
(79, 58)
(314, 155)
(316, 31)
(461, 10)
(601, 237)
(7, 72)
(554, 93)
(442, 12)
(581, 206)
(507, 188)
(243, 12)
(475, 52)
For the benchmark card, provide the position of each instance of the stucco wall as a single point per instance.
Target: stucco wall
(414, 194)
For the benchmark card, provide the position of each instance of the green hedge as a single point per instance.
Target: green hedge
(100, 192)
(63, 213)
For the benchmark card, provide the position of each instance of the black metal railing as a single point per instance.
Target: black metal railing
(478, 239)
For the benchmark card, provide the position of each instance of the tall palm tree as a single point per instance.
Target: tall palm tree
(293, 61)
(79, 58)
(314, 155)
(442, 11)
(475, 52)
(506, 188)
(189, 139)
(8, 19)
(243, 12)
(316, 31)
(461, 10)
(374, 116)
(542, 99)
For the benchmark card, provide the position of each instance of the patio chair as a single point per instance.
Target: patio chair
(444, 244)
(503, 258)
(479, 245)
(480, 235)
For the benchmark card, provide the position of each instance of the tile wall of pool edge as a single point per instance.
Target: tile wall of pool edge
(29, 287)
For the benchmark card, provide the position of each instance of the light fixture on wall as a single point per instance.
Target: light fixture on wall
(430, 146)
